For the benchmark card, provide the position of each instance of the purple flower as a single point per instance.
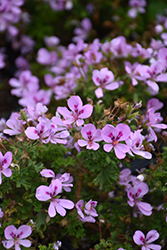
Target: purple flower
(26, 82)
(153, 74)
(44, 193)
(35, 112)
(125, 177)
(32, 98)
(132, 70)
(83, 32)
(22, 65)
(162, 56)
(154, 103)
(145, 53)
(113, 136)
(5, 162)
(10, 13)
(137, 6)
(58, 136)
(65, 178)
(135, 143)
(17, 237)
(153, 120)
(45, 57)
(104, 80)
(88, 209)
(135, 194)
(78, 113)
(64, 90)
(146, 242)
(156, 44)
(119, 47)
(91, 135)
(15, 125)
(51, 41)
(41, 131)
(92, 54)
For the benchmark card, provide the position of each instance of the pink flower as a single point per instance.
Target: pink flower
(132, 70)
(91, 135)
(135, 194)
(154, 103)
(37, 111)
(44, 193)
(17, 237)
(58, 136)
(92, 56)
(64, 90)
(51, 41)
(113, 136)
(65, 178)
(125, 177)
(88, 209)
(41, 131)
(104, 79)
(79, 206)
(78, 113)
(14, 124)
(135, 143)
(136, 6)
(153, 74)
(83, 32)
(119, 47)
(153, 121)
(146, 242)
(46, 57)
(145, 53)
(32, 98)
(5, 162)
(162, 56)
(26, 82)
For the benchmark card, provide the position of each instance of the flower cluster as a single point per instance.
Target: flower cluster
(114, 90)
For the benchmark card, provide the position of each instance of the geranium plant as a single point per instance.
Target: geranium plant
(83, 160)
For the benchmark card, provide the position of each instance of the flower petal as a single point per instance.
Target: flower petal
(7, 172)
(51, 209)
(9, 231)
(25, 243)
(152, 236)
(23, 231)
(8, 243)
(139, 237)
(43, 193)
